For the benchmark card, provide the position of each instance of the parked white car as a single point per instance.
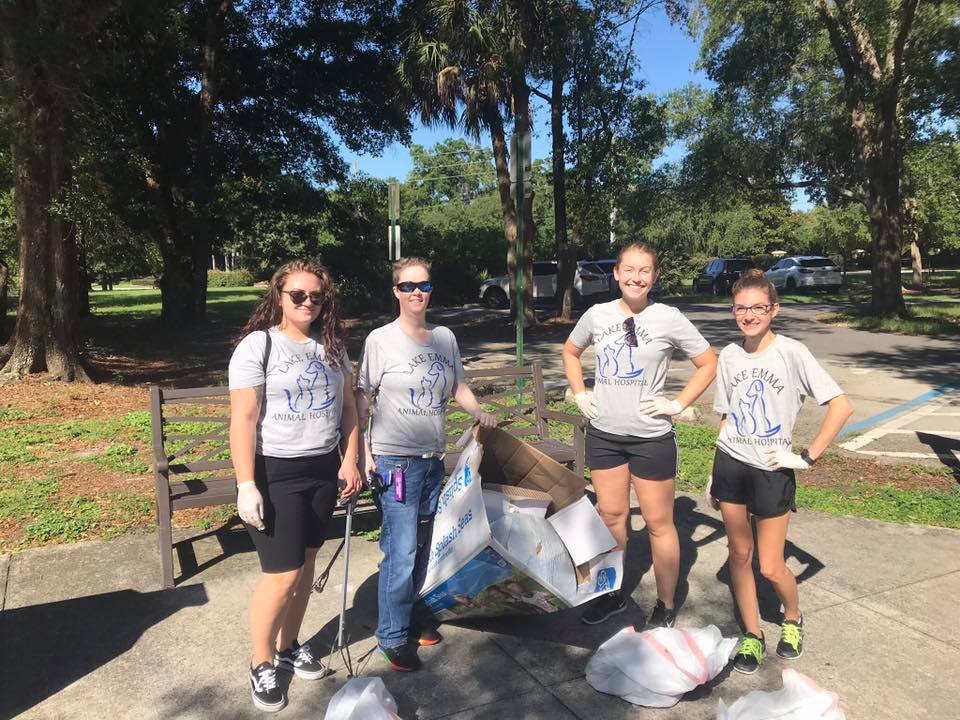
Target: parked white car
(588, 279)
(805, 271)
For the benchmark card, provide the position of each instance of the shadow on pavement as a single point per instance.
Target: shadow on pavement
(67, 640)
(947, 449)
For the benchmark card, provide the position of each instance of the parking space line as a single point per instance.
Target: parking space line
(950, 457)
(880, 417)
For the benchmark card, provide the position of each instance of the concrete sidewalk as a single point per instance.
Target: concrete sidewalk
(87, 634)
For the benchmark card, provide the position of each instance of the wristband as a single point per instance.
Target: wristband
(805, 456)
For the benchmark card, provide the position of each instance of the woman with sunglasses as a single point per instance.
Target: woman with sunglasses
(293, 441)
(761, 386)
(630, 437)
(410, 369)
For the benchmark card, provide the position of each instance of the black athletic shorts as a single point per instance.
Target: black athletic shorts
(299, 495)
(649, 458)
(766, 493)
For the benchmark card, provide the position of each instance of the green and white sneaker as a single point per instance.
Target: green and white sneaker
(790, 646)
(749, 654)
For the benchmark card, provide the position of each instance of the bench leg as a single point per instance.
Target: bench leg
(579, 450)
(165, 540)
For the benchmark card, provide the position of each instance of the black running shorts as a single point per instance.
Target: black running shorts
(766, 493)
(649, 458)
(299, 495)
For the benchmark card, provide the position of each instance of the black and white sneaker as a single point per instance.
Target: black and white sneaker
(301, 660)
(267, 694)
(604, 607)
(662, 616)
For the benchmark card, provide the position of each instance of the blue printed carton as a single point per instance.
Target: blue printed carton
(482, 564)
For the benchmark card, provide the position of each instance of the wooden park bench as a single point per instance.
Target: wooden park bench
(522, 412)
(191, 442)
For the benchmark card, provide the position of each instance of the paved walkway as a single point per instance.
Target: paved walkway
(87, 634)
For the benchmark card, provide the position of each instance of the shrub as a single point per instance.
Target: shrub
(234, 278)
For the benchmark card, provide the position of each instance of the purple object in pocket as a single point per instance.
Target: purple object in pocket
(399, 492)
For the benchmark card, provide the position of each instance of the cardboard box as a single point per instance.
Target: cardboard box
(518, 563)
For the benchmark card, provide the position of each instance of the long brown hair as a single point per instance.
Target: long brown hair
(327, 329)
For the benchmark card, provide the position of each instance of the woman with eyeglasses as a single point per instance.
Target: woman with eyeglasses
(410, 370)
(293, 441)
(630, 436)
(761, 386)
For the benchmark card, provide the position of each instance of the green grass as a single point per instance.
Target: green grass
(882, 502)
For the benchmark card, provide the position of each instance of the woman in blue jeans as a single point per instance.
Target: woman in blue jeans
(409, 371)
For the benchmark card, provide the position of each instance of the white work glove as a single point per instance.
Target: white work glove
(711, 500)
(250, 504)
(586, 403)
(784, 458)
(660, 405)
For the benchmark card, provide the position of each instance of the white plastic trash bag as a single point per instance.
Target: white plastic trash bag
(656, 667)
(800, 698)
(362, 699)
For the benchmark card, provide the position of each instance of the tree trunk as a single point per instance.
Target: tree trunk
(565, 257)
(884, 213)
(916, 261)
(45, 336)
(4, 287)
(508, 208)
(521, 125)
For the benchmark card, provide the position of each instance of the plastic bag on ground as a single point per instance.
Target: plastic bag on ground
(362, 699)
(656, 667)
(800, 698)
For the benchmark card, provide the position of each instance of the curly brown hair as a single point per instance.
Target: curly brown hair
(327, 329)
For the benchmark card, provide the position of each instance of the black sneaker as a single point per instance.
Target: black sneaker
(301, 660)
(427, 636)
(604, 607)
(267, 695)
(402, 658)
(790, 646)
(749, 654)
(662, 616)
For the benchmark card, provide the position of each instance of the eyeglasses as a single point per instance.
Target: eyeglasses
(299, 297)
(630, 332)
(408, 286)
(759, 310)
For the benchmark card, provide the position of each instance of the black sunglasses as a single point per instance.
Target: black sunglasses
(630, 332)
(299, 297)
(407, 286)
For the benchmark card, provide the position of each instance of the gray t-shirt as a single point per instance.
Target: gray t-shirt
(761, 395)
(302, 403)
(411, 384)
(625, 374)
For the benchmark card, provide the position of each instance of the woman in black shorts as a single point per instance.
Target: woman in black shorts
(761, 385)
(292, 417)
(630, 438)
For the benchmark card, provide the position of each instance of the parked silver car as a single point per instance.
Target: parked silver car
(805, 271)
(588, 280)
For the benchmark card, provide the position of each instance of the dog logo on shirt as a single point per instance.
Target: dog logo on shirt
(313, 389)
(431, 395)
(753, 418)
(616, 360)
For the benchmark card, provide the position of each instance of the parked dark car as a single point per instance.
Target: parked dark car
(720, 274)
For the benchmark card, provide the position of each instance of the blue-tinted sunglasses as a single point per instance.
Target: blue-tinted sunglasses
(408, 286)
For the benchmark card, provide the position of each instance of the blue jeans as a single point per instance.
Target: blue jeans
(405, 541)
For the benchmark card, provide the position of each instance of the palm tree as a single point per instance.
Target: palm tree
(463, 65)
